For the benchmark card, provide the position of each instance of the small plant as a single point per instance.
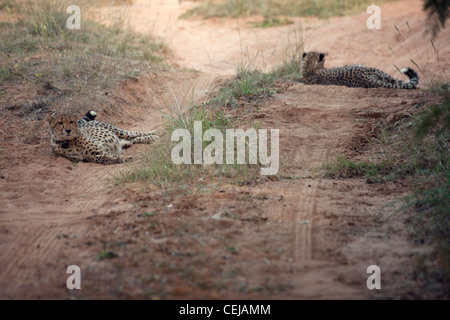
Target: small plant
(379, 171)
(46, 19)
(106, 254)
(232, 249)
(248, 85)
(9, 5)
(435, 121)
(269, 22)
(5, 74)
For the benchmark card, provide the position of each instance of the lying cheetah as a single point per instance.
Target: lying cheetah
(87, 139)
(354, 75)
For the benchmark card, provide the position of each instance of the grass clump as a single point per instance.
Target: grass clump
(379, 171)
(158, 168)
(274, 8)
(45, 18)
(105, 255)
(435, 121)
(248, 85)
(431, 200)
(269, 22)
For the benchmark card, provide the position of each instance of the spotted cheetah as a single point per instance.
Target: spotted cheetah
(354, 75)
(90, 140)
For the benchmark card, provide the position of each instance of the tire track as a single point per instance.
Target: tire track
(31, 247)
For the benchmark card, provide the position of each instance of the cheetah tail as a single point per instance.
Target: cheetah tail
(90, 115)
(412, 75)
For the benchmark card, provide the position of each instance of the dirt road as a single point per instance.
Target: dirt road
(300, 237)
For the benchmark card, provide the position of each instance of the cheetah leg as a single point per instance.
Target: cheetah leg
(128, 135)
(98, 155)
(67, 153)
(108, 158)
(145, 139)
(125, 143)
(56, 148)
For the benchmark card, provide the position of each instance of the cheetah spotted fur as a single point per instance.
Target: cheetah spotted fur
(354, 75)
(90, 140)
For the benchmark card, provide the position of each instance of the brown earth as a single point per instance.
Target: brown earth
(294, 237)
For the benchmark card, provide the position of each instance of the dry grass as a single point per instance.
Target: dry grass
(273, 8)
(157, 167)
(70, 68)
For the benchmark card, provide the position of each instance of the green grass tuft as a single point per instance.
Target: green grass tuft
(273, 8)
(269, 22)
(379, 171)
(247, 85)
(157, 167)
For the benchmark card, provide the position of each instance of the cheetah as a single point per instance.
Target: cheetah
(354, 75)
(90, 140)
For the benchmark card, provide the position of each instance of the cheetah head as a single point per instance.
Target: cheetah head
(63, 127)
(312, 62)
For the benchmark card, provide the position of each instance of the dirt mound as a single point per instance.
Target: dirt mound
(303, 237)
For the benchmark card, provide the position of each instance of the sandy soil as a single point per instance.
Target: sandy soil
(304, 237)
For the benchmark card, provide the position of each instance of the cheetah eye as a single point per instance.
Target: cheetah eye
(71, 122)
(60, 123)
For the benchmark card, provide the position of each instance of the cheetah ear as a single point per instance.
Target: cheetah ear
(304, 54)
(322, 56)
